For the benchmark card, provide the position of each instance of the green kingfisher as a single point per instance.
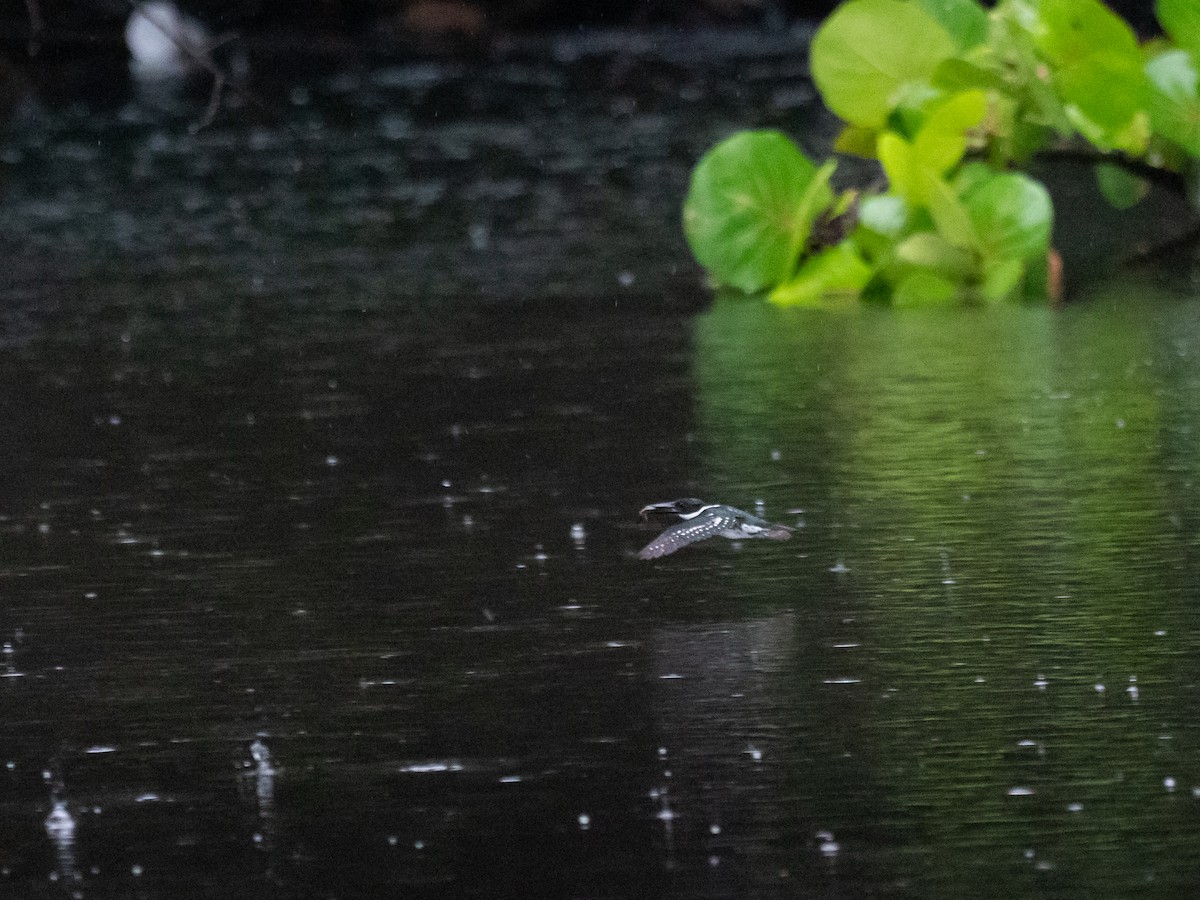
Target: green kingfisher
(700, 521)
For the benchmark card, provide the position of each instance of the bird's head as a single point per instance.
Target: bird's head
(684, 507)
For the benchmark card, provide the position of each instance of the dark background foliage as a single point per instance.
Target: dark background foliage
(98, 20)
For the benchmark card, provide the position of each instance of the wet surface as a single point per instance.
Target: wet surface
(317, 535)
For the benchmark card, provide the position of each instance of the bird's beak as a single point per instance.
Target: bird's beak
(647, 511)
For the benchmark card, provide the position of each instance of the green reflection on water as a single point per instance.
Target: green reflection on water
(1009, 492)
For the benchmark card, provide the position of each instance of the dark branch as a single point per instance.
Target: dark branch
(1164, 178)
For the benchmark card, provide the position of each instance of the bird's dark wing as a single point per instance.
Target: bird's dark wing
(686, 533)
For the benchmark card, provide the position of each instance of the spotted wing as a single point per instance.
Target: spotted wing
(685, 533)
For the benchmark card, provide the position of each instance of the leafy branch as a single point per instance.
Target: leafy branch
(953, 101)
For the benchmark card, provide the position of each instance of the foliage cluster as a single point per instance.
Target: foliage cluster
(952, 100)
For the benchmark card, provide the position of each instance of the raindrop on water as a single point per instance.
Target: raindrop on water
(480, 236)
(827, 844)
(59, 824)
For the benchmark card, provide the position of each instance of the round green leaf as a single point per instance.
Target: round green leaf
(1175, 98)
(1181, 20)
(956, 74)
(965, 20)
(1120, 187)
(1073, 30)
(1098, 67)
(1012, 216)
(1108, 88)
(869, 53)
(751, 207)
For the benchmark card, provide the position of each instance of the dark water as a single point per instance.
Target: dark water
(318, 524)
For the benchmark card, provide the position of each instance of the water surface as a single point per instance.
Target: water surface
(318, 530)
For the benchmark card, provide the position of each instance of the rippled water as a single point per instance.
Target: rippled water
(317, 536)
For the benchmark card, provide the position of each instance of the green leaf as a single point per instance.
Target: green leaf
(913, 168)
(957, 74)
(965, 20)
(951, 217)
(1181, 20)
(1027, 138)
(1098, 73)
(870, 53)
(1109, 90)
(927, 250)
(817, 198)
(971, 176)
(836, 271)
(900, 165)
(1070, 31)
(921, 288)
(857, 141)
(1121, 188)
(1012, 216)
(1175, 98)
(1002, 279)
(942, 140)
(751, 207)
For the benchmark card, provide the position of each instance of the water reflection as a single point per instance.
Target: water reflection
(262, 774)
(713, 783)
(60, 828)
(1006, 515)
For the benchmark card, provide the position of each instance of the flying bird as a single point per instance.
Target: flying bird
(699, 521)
